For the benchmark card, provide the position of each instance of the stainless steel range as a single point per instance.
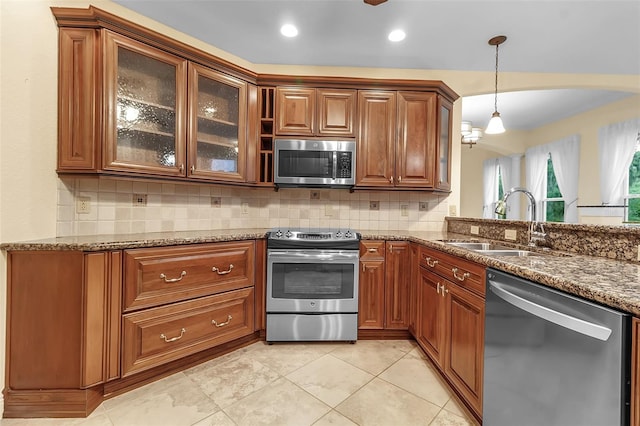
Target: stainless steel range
(312, 285)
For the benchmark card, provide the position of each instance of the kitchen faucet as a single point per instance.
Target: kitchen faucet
(536, 230)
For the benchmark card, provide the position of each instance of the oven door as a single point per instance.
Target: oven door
(312, 281)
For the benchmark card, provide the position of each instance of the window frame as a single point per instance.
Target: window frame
(546, 200)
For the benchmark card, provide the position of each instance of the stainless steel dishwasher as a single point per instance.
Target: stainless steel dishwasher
(551, 358)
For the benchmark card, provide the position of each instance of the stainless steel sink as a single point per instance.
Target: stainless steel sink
(491, 249)
(508, 252)
(478, 246)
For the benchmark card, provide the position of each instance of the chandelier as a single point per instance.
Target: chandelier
(470, 135)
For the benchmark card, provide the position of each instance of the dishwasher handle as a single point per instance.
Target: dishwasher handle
(567, 321)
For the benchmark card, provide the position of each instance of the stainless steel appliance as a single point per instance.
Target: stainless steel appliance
(551, 358)
(312, 285)
(314, 163)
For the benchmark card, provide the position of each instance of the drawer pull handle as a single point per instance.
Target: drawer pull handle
(222, 324)
(173, 339)
(219, 272)
(431, 263)
(173, 280)
(372, 250)
(458, 277)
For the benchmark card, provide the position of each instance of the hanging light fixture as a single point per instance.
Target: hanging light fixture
(470, 135)
(495, 125)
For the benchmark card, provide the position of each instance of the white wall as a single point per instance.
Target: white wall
(28, 104)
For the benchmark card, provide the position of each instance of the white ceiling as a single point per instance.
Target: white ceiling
(562, 36)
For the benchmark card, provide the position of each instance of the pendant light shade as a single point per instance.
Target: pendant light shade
(495, 125)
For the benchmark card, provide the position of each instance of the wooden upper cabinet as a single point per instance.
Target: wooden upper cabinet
(444, 132)
(145, 108)
(295, 111)
(376, 138)
(79, 123)
(217, 125)
(416, 147)
(315, 112)
(130, 108)
(336, 112)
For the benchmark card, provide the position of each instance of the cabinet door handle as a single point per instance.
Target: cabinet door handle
(219, 272)
(444, 291)
(458, 277)
(173, 339)
(222, 324)
(193, 169)
(390, 248)
(438, 288)
(391, 180)
(399, 179)
(173, 280)
(372, 250)
(181, 168)
(431, 263)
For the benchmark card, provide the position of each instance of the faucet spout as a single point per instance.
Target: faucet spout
(501, 206)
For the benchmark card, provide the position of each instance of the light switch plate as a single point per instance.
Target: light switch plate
(453, 210)
(475, 230)
(510, 234)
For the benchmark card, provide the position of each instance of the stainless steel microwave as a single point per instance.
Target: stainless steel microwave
(314, 163)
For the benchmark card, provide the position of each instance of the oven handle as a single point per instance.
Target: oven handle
(312, 255)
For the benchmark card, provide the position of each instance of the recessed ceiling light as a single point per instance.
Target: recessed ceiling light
(397, 35)
(289, 30)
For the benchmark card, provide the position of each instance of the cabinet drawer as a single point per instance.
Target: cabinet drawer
(462, 272)
(156, 336)
(371, 250)
(164, 275)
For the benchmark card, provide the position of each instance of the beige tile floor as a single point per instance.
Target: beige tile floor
(372, 382)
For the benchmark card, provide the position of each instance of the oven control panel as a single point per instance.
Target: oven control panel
(306, 235)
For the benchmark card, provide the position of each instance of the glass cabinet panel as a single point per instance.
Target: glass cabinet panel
(147, 87)
(444, 146)
(216, 138)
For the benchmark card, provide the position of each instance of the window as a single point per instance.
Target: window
(500, 191)
(632, 199)
(553, 204)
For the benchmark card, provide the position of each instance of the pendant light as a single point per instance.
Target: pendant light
(495, 125)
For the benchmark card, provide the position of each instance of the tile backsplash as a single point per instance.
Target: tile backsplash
(125, 206)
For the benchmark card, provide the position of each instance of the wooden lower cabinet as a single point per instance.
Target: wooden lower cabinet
(156, 336)
(74, 335)
(431, 330)
(371, 294)
(450, 326)
(464, 338)
(384, 286)
(63, 325)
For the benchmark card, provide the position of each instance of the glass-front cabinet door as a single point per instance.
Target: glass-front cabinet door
(145, 90)
(217, 124)
(443, 169)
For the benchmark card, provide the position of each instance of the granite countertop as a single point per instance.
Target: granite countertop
(610, 282)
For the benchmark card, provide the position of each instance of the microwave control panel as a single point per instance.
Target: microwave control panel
(344, 165)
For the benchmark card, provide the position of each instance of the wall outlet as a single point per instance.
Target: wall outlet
(404, 210)
(475, 230)
(139, 200)
(374, 205)
(216, 202)
(423, 206)
(510, 234)
(83, 205)
(453, 210)
(638, 252)
(244, 208)
(314, 195)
